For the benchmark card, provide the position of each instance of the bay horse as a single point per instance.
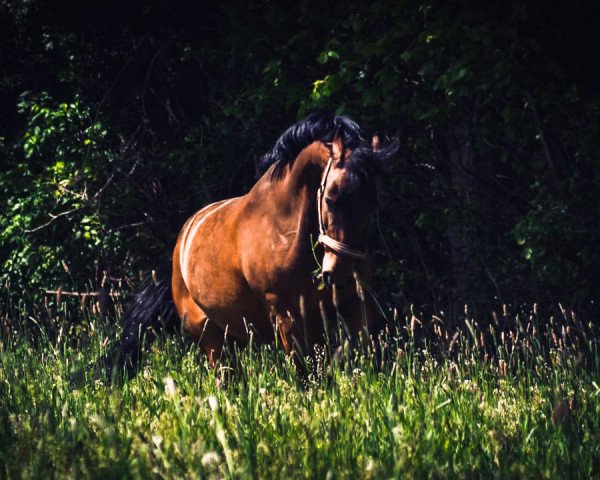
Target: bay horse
(247, 264)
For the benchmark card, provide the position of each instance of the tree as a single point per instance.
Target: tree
(495, 194)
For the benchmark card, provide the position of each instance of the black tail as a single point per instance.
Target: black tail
(150, 311)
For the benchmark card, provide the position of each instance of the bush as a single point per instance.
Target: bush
(56, 230)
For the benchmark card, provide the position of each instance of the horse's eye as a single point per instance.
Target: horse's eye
(331, 203)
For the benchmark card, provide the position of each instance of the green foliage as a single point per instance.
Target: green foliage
(495, 192)
(55, 232)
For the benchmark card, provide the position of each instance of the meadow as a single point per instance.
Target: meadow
(518, 398)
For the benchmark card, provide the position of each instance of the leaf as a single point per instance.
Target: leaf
(324, 57)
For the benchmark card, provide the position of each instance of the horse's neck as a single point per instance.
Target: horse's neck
(292, 196)
(303, 179)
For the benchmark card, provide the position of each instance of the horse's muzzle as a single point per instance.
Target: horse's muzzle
(337, 270)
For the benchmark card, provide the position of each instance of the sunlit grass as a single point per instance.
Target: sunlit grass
(442, 404)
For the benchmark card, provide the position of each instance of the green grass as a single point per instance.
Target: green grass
(435, 409)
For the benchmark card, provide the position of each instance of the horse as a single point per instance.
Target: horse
(245, 266)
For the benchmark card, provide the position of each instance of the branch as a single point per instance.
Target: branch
(544, 137)
(53, 217)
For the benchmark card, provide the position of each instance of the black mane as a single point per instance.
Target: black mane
(324, 128)
(316, 127)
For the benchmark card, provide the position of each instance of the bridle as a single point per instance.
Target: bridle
(324, 239)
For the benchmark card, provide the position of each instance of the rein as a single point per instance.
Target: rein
(324, 239)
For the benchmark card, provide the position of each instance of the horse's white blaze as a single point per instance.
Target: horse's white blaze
(190, 230)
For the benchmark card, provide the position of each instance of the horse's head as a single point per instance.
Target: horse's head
(346, 200)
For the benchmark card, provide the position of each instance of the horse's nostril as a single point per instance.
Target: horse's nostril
(327, 278)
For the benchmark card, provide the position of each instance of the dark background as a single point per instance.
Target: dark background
(120, 119)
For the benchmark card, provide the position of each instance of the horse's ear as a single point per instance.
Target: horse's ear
(337, 148)
(375, 143)
(382, 154)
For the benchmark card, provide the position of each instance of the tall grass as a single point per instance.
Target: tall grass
(519, 398)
